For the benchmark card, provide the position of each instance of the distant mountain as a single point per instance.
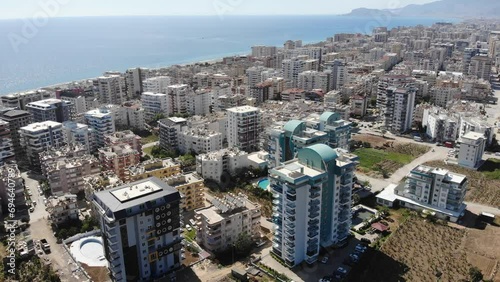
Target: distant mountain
(443, 8)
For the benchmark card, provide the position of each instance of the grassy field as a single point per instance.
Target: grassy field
(150, 139)
(148, 150)
(369, 158)
(491, 169)
(385, 155)
(417, 251)
(483, 184)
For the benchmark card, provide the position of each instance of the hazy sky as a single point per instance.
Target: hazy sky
(69, 8)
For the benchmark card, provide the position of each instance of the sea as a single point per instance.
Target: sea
(40, 52)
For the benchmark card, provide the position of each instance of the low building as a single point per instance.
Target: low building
(122, 138)
(66, 167)
(62, 209)
(213, 165)
(433, 190)
(118, 159)
(471, 152)
(191, 187)
(219, 225)
(154, 167)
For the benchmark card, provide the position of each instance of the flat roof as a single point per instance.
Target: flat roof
(41, 125)
(115, 204)
(125, 194)
(243, 109)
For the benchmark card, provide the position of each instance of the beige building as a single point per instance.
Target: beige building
(66, 167)
(219, 225)
(62, 209)
(118, 159)
(191, 187)
(155, 167)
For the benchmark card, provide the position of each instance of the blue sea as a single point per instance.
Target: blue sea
(34, 55)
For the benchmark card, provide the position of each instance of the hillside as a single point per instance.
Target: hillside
(443, 8)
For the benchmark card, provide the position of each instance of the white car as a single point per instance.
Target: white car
(188, 227)
(324, 259)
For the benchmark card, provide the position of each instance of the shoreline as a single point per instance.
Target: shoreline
(210, 61)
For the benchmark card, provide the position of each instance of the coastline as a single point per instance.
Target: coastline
(318, 37)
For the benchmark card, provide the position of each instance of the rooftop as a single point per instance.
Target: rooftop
(243, 109)
(137, 193)
(45, 125)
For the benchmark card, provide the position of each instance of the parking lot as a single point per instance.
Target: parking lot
(336, 258)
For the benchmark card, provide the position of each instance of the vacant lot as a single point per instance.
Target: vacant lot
(385, 155)
(483, 186)
(417, 251)
(481, 252)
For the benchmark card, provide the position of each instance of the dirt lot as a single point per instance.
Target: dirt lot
(482, 252)
(481, 189)
(97, 273)
(416, 252)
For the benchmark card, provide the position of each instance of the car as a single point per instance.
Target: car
(193, 223)
(341, 270)
(366, 240)
(354, 256)
(361, 246)
(359, 250)
(188, 227)
(32, 209)
(45, 245)
(324, 259)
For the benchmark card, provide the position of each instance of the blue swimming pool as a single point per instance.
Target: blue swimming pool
(263, 184)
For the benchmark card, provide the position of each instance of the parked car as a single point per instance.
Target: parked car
(366, 240)
(340, 273)
(45, 245)
(32, 209)
(188, 227)
(193, 223)
(324, 259)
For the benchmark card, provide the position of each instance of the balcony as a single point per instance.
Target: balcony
(314, 203)
(314, 195)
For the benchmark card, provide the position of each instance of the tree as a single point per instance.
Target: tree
(383, 210)
(475, 274)
(356, 199)
(187, 160)
(243, 244)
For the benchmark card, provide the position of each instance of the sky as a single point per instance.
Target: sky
(13, 9)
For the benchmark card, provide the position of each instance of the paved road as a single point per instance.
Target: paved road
(152, 144)
(478, 208)
(32, 185)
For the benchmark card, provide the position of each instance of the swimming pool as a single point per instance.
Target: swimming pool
(263, 184)
(360, 216)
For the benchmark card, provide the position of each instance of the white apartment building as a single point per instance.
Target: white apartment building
(314, 53)
(444, 94)
(38, 137)
(134, 80)
(441, 127)
(199, 102)
(480, 66)
(254, 75)
(220, 225)
(133, 115)
(77, 133)
(398, 109)
(199, 140)
(263, 51)
(243, 128)
(156, 84)
(476, 124)
(310, 80)
(154, 103)
(214, 164)
(140, 224)
(111, 89)
(170, 129)
(432, 189)
(76, 99)
(312, 203)
(472, 145)
(177, 95)
(292, 67)
(102, 122)
(338, 74)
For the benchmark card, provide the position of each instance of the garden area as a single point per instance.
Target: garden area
(483, 184)
(380, 157)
